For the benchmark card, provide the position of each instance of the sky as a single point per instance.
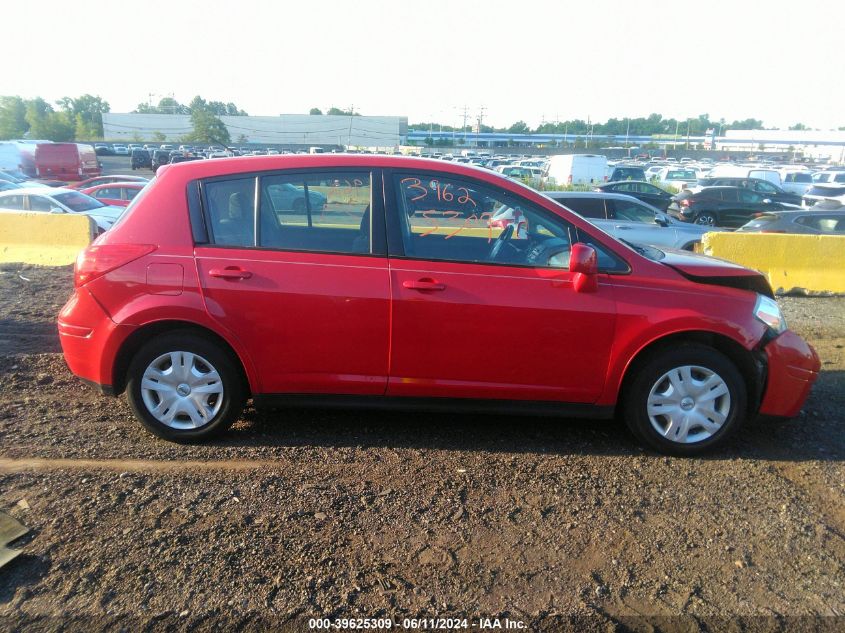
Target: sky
(429, 60)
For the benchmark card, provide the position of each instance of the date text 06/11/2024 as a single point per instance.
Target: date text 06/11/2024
(415, 624)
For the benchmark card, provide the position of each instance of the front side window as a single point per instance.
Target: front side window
(749, 196)
(626, 211)
(320, 212)
(444, 218)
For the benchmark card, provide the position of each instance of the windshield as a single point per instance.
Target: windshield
(79, 202)
(681, 174)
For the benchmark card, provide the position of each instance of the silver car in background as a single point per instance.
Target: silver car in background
(625, 217)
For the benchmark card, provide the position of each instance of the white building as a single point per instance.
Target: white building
(286, 129)
(819, 144)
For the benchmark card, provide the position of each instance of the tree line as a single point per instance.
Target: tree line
(652, 125)
(81, 118)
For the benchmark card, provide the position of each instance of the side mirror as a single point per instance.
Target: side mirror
(583, 261)
(56, 210)
(661, 220)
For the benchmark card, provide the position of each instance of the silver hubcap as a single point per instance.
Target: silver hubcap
(182, 390)
(708, 220)
(688, 404)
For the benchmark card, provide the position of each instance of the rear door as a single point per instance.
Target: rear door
(635, 222)
(479, 317)
(295, 268)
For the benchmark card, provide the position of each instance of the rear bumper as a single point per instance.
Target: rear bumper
(793, 367)
(89, 339)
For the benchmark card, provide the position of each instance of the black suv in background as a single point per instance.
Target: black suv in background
(140, 158)
(722, 206)
(641, 190)
(159, 157)
(763, 187)
(627, 173)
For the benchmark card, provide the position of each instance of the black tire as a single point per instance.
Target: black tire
(706, 218)
(646, 375)
(232, 400)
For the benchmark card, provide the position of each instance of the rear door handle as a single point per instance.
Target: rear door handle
(230, 272)
(423, 284)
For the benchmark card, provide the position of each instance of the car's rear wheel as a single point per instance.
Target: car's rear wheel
(685, 400)
(183, 387)
(706, 218)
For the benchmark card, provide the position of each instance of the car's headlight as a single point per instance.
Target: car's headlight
(768, 311)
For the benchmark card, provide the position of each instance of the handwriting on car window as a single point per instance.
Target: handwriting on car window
(454, 210)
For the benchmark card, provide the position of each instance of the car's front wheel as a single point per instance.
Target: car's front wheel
(183, 387)
(706, 218)
(685, 400)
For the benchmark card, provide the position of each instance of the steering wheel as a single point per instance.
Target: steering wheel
(504, 236)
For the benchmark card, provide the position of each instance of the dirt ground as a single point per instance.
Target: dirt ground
(557, 524)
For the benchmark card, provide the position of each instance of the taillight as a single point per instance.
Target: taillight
(99, 259)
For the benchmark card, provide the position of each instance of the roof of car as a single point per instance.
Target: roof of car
(119, 183)
(247, 164)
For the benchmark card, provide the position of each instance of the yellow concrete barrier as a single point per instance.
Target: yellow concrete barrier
(45, 239)
(805, 264)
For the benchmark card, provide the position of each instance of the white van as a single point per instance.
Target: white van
(573, 169)
(736, 171)
(797, 181)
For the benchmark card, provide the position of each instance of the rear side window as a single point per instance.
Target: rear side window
(627, 211)
(824, 223)
(321, 212)
(11, 202)
(585, 207)
(108, 192)
(801, 177)
(230, 206)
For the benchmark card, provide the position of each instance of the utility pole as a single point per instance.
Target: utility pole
(464, 127)
(688, 134)
(480, 121)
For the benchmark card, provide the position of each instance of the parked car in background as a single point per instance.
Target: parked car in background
(678, 177)
(641, 190)
(158, 158)
(120, 150)
(101, 149)
(763, 187)
(572, 169)
(739, 171)
(6, 185)
(824, 219)
(183, 158)
(821, 191)
(829, 177)
(630, 219)
(532, 174)
(722, 206)
(18, 178)
(65, 161)
(104, 180)
(627, 173)
(60, 200)
(117, 194)
(368, 304)
(797, 182)
(140, 159)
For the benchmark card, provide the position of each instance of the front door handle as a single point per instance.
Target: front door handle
(230, 272)
(622, 227)
(423, 284)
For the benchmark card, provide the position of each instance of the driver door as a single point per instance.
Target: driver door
(470, 324)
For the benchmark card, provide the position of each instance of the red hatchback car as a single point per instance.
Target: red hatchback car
(117, 194)
(350, 280)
